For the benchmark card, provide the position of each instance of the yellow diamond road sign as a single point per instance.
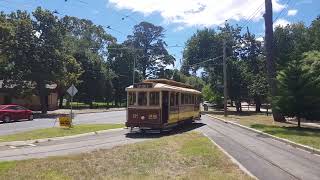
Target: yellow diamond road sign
(72, 90)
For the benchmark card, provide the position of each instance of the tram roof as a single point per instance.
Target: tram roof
(165, 87)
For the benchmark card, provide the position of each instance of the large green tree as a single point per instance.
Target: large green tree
(34, 51)
(88, 43)
(298, 92)
(151, 53)
(121, 59)
(253, 68)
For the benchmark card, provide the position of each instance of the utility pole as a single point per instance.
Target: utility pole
(271, 67)
(134, 69)
(225, 88)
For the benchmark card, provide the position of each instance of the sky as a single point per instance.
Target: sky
(180, 18)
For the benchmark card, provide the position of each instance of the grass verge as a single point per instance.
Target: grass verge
(58, 132)
(306, 136)
(184, 156)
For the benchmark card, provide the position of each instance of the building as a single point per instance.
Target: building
(31, 101)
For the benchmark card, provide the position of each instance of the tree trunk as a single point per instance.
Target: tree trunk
(43, 96)
(238, 106)
(144, 73)
(116, 100)
(257, 102)
(61, 101)
(299, 122)
(271, 71)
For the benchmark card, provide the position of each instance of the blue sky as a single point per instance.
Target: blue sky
(180, 18)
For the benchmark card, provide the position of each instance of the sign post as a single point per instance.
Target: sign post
(72, 91)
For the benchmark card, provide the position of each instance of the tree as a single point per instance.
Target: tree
(298, 96)
(121, 60)
(253, 68)
(71, 73)
(87, 43)
(311, 64)
(290, 42)
(96, 78)
(34, 51)
(314, 34)
(212, 96)
(237, 87)
(151, 48)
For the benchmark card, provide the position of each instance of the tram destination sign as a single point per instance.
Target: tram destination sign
(142, 85)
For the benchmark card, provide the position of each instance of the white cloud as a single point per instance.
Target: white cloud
(292, 12)
(198, 12)
(261, 39)
(281, 23)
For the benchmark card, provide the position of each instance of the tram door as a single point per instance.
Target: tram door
(165, 106)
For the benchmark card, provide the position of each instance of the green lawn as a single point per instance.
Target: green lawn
(306, 136)
(264, 123)
(183, 156)
(58, 132)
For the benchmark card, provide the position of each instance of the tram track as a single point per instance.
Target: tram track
(257, 154)
(295, 163)
(273, 145)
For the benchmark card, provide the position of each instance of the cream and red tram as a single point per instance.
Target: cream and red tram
(159, 104)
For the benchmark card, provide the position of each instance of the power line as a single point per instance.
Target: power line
(109, 27)
(286, 8)
(253, 15)
(212, 59)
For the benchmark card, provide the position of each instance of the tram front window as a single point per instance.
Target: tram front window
(132, 98)
(154, 98)
(142, 98)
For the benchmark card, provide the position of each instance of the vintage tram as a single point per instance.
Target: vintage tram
(160, 104)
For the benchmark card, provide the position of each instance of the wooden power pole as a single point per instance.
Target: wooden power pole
(271, 67)
(225, 87)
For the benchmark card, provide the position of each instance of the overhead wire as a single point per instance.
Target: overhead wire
(245, 23)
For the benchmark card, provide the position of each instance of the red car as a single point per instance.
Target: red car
(10, 113)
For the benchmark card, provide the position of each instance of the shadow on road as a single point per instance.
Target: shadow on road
(157, 134)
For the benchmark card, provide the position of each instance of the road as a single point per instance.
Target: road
(93, 118)
(68, 146)
(262, 156)
(81, 144)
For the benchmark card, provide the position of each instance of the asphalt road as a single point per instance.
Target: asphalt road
(114, 117)
(264, 157)
(68, 146)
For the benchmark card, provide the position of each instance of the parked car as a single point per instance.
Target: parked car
(208, 104)
(10, 113)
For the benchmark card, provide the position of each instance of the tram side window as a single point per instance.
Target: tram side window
(132, 98)
(188, 99)
(193, 101)
(142, 98)
(172, 99)
(182, 98)
(177, 99)
(154, 98)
